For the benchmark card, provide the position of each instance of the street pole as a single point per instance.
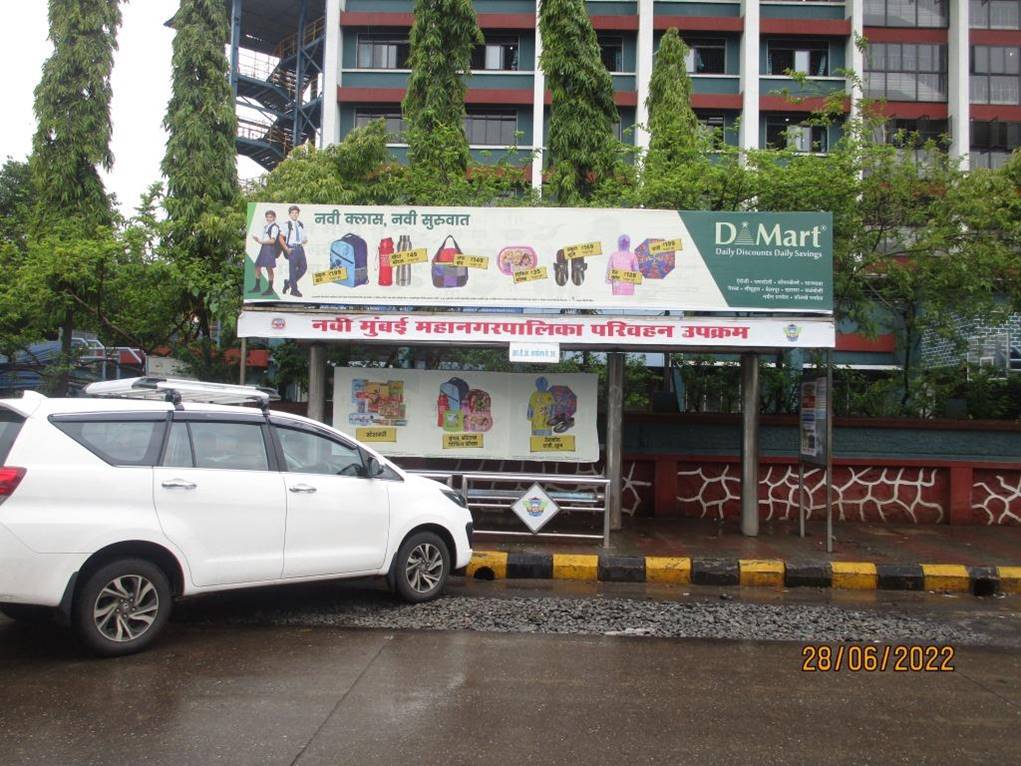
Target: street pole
(317, 382)
(829, 450)
(614, 428)
(750, 445)
(244, 360)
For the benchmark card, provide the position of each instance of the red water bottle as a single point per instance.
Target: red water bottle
(441, 409)
(386, 272)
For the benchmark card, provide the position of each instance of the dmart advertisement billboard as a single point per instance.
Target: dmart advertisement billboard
(551, 258)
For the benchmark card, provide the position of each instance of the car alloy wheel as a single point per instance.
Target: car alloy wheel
(424, 569)
(126, 607)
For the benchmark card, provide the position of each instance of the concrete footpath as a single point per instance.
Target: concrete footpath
(941, 558)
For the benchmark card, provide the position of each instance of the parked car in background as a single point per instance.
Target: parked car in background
(113, 506)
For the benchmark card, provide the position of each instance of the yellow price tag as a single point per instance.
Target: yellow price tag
(666, 246)
(472, 261)
(552, 444)
(407, 257)
(463, 441)
(377, 434)
(631, 277)
(530, 275)
(333, 275)
(584, 250)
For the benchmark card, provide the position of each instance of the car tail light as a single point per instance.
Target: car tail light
(9, 480)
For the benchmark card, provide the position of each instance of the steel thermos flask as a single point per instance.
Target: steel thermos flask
(404, 272)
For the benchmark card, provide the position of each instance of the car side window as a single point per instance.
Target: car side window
(117, 442)
(306, 452)
(236, 446)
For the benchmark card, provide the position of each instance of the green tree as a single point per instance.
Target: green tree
(442, 38)
(72, 109)
(72, 213)
(675, 135)
(204, 228)
(583, 151)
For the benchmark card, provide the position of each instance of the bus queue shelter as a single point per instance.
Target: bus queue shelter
(748, 336)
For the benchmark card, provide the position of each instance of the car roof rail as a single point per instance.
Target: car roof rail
(178, 390)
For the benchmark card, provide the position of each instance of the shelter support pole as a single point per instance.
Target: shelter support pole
(317, 382)
(614, 431)
(750, 445)
(244, 361)
(829, 450)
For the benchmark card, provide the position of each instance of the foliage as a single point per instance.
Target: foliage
(676, 138)
(72, 109)
(442, 38)
(203, 233)
(360, 171)
(583, 152)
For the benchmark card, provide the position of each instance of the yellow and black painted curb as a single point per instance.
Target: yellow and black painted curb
(770, 573)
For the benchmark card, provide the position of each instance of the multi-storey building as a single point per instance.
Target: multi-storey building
(944, 68)
(315, 69)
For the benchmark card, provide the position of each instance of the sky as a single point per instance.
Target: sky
(141, 89)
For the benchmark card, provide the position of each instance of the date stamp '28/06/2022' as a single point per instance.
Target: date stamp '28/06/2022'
(858, 658)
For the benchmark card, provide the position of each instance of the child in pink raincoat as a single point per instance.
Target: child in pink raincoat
(624, 260)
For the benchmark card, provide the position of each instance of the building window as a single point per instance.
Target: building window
(787, 133)
(806, 57)
(906, 13)
(706, 56)
(915, 133)
(906, 72)
(714, 125)
(498, 53)
(995, 14)
(611, 50)
(393, 118)
(383, 52)
(993, 142)
(496, 128)
(995, 74)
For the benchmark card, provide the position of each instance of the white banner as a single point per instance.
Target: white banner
(572, 331)
(460, 413)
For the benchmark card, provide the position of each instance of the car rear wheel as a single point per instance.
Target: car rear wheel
(27, 613)
(422, 567)
(122, 607)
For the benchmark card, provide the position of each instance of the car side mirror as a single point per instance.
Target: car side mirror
(373, 468)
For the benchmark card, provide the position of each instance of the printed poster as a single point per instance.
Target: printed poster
(535, 257)
(460, 413)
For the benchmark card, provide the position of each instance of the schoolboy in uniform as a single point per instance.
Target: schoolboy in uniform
(294, 245)
(268, 253)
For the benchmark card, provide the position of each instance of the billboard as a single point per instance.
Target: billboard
(541, 258)
(461, 413)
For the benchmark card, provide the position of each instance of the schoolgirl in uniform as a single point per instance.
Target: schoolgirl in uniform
(268, 253)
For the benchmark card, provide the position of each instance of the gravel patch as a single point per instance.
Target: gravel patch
(605, 616)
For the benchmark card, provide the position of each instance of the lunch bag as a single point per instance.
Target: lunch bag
(516, 258)
(444, 272)
(654, 265)
(478, 416)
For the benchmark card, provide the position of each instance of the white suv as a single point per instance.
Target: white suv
(111, 507)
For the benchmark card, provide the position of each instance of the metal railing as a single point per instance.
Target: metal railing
(502, 490)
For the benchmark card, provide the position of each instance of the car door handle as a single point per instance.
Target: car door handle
(178, 484)
(304, 488)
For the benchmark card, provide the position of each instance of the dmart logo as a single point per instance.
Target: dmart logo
(766, 235)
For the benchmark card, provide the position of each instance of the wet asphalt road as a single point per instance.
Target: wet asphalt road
(218, 693)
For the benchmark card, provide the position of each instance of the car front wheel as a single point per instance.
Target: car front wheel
(122, 607)
(422, 567)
